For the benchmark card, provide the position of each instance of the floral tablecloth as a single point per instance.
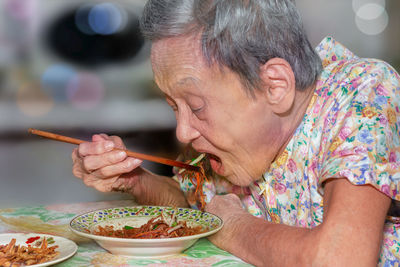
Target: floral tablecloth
(54, 220)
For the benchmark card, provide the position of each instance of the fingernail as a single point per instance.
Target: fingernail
(134, 162)
(121, 154)
(108, 145)
(137, 161)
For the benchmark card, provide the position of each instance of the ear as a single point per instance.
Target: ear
(280, 84)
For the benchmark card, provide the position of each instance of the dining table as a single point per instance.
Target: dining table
(54, 219)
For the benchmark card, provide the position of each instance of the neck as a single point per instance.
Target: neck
(294, 117)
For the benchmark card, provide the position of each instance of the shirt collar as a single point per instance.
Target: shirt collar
(331, 51)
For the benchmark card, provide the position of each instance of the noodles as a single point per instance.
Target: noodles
(162, 226)
(16, 255)
(197, 178)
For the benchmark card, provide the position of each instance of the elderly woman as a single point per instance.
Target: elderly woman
(302, 143)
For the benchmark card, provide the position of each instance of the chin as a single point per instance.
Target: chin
(238, 180)
(220, 168)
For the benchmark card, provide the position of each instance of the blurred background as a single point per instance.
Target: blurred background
(80, 67)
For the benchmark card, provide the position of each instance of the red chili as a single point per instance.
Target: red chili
(32, 239)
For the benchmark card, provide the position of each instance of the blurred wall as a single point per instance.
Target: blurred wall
(76, 68)
(369, 28)
(46, 82)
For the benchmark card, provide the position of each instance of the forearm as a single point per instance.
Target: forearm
(266, 244)
(152, 189)
(350, 235)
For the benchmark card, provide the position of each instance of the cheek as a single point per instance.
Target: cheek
(215, 133)
(220, 130)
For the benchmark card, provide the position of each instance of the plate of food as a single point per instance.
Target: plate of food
(146, 231)
(33, 249)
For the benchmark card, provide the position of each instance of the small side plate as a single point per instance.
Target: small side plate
(66, 247)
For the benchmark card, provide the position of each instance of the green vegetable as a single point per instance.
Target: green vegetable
(127, 227)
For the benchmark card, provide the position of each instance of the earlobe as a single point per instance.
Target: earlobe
(279, 84)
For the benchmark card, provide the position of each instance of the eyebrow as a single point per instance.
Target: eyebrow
(182, 82)
(186, 81)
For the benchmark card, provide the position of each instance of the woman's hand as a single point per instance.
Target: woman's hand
(102, 166)
(230, 210)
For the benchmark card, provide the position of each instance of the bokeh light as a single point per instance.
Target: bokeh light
(370, 11)
(95, 35)
(19, 9)
(55, 80)
(82, 19)
(357, 4)
(85, 90)
(32, 101)
(371, 19)
(107, 18)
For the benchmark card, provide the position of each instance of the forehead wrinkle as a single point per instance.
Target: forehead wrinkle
(178, 77)
(183, 51)
(178, 62)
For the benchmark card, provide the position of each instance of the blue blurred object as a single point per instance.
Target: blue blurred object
(82, 19)
(106, 18)
(55, 80)
(96, 35)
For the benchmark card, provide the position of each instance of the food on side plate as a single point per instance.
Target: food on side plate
(33, 253)
(161, 226)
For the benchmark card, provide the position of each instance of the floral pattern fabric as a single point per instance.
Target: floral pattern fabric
(350, 129)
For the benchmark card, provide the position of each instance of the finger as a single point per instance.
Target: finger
(128, 165)
(118, 142)
(74, 155)
(94, 162)
(77, 169)
(102, 185)
(95, 148)
(100, 137)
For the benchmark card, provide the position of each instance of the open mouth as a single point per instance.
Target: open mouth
(216, 164)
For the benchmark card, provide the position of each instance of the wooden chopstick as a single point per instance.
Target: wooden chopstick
(75, 141)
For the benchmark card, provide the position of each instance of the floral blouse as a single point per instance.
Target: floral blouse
(350, 129)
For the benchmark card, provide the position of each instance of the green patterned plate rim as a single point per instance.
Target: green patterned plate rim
(84, 223)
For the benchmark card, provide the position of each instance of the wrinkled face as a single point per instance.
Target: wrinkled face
(214, 112)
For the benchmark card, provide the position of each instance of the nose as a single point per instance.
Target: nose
(185, 132)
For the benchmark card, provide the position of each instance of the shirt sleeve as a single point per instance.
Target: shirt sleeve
(362, 140)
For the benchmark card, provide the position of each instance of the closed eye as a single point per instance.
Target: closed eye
(195, 103)
(196, 110)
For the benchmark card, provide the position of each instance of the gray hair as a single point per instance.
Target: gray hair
(239, 34)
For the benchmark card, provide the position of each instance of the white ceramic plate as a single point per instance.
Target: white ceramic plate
(135, 216)
(66, 247)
